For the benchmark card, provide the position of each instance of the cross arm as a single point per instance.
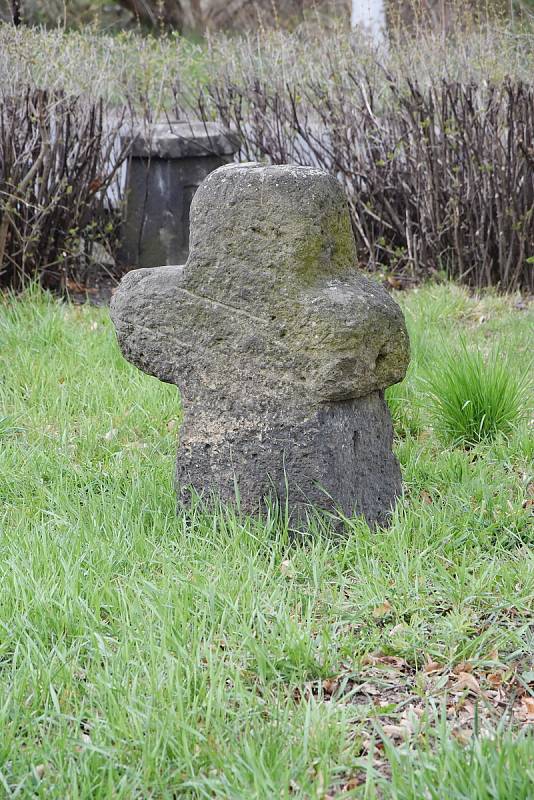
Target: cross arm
(143, 311)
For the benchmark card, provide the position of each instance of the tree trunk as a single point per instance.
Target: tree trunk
(168, 12)
(200, 15)
(16, 12)
(370, 15)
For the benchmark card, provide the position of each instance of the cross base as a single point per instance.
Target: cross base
(337, 458)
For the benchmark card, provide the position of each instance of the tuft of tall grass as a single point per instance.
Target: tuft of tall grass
(474, 398)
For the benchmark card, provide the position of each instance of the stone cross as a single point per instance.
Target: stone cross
(280, 347)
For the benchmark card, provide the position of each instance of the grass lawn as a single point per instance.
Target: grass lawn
(144, 655)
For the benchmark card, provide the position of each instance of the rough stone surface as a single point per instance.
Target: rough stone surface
(281, 348)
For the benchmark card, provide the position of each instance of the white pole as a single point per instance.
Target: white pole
(371, 15)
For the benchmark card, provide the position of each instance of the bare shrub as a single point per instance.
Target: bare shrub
(440, 179)
(58, 161)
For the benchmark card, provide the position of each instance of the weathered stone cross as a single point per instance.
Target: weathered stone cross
(281, 348)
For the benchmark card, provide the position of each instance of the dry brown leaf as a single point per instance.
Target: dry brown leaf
(381, 610)
(527, 709)
(463, 666)
(390, 661)
(495, 678)
(353, 783)
(330, 686)
(394, 282)
(466, 681)
(432, 666)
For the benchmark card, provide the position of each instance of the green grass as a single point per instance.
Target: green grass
(144, 655)
(475, 397)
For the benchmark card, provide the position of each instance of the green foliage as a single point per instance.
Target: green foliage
(123, 69)
(476, 397)
(127, 66)
(144, 654)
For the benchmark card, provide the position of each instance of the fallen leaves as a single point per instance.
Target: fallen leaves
(431, 667)
(387, 661)
(466, 681)
(463, 666)
(330, 687)
(394, 699)
(78, 288)
(495, 679)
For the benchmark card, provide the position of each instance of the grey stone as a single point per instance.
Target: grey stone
(281, 348)
(168, 162)
(182, 140)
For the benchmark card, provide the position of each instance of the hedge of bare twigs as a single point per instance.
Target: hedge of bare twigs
(58, 160)
(440, 179)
